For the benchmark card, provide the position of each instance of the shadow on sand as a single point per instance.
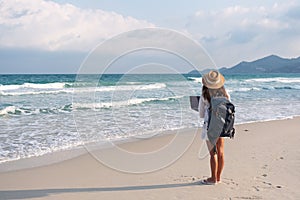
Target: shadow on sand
(24, 194)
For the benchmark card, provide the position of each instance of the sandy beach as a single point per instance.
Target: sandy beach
(261, 162)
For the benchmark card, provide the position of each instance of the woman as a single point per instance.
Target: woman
(213, 86)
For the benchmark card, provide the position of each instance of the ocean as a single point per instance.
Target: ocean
(42, 114)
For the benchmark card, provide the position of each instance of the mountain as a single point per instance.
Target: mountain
(194, 72)
(269, 64)
(198, 73)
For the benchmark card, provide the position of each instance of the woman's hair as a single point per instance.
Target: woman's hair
(205, 93)
(208, 93)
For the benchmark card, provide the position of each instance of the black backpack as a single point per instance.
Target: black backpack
(221, 119)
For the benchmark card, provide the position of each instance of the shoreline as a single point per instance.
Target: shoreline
(81, 150)
(66, 154)
(269, 120)
(261, 162)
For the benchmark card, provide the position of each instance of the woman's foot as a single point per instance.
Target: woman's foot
(209, 181)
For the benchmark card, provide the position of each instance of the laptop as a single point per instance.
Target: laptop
(194, 101)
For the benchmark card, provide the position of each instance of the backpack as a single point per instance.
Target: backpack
(221, 119)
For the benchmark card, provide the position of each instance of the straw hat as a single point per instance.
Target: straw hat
(213, 79)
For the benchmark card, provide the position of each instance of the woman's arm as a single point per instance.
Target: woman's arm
(201, 107)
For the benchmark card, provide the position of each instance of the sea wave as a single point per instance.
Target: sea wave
(57, 85)
(196, 79)
(281, 88)
(130, 87)
(19, 110)
(277, 79)
(244, 89)
(9, 110)
(34, 89)
(16, 110)
(248, 89)
(38, 149)
(35, 92)
(55, 88)
(129, 102)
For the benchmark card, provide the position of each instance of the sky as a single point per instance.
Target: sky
(39, 36)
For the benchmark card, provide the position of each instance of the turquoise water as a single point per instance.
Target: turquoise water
(41, 114)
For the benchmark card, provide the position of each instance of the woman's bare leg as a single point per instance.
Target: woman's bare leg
(213, 163)
(220, 156)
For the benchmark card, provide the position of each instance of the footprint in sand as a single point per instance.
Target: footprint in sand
(265, 167)
(248, 197)
(261, 185)
(230, 183)
(186, 179)
(267, 183)
(256, 188)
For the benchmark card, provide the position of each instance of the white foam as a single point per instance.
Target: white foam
(33, 85)
(244, 89)
(129, 102)
(8, 110)
(55, 88)
(75, 146)
(268, 119)
(196, 79)
(36, 92)
(14, 110)
(277, 79)
(44, 86)
(34, 88)
(130, 87)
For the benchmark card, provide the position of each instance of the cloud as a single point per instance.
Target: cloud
(47, 25)
(240, 36)
(231, 19)
(294, 13)
(240, 32)
(235, 10)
